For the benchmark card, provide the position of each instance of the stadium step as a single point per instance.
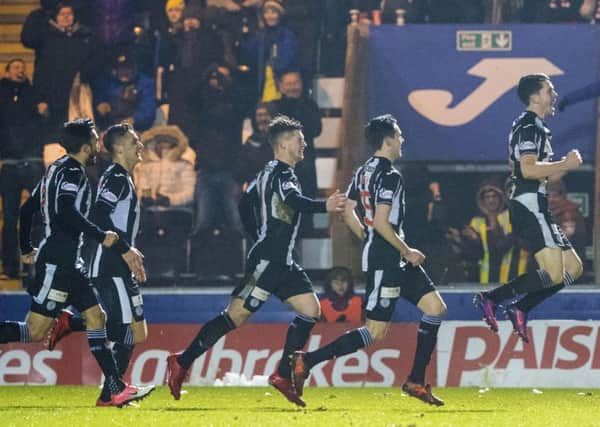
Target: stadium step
(14, 48)
(10, 33)
(15, 12)
(12, 15)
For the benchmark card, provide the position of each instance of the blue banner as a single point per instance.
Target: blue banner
(453, 88)
(199, 307)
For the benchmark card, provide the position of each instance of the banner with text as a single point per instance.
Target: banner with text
(254, 349)
(453, 88)
(561, 353)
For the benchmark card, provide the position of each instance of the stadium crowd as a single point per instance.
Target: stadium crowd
(188, 74)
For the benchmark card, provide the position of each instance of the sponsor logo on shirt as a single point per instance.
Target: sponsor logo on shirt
(108, 195)
(69, 186)
(386, 194)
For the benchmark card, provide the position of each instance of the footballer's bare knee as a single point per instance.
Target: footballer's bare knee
(140, 331)
(432, 304)
(377, 329)
(237, 312)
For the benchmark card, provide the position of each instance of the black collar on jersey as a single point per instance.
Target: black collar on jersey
(284, 164)
(120, 168)
(71, 162)
(385, 159)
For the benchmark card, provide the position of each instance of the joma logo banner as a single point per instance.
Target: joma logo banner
(453, 88)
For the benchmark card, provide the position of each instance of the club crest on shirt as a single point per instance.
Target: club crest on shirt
(289, 185)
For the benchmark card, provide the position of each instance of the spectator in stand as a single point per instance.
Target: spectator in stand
(296, 105)
(124, 95)
(488, 238)
(123, 25)
(166, 176)
(63, 48)
(20, 152)
(256, 151)
(173, 9)
(269, 54)
(112, 21)
(303, 18)
(553, 11)
(196, 49)
(427, 224)
(340, 303)
(567, 215)
(218, 146)
(236, 18)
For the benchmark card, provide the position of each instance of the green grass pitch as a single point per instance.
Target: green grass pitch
(232, 406)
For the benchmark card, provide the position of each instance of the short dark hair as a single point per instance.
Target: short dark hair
(281, 124)
(114, 134)
(61, 5)
(12, 61)
(378, 128)
(530, 85)
(76, 133)
(339, 273)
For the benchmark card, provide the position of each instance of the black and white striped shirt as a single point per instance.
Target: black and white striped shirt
(116, 208)
(63, 197)
(529, 135)
(377, 182)
(280, 204)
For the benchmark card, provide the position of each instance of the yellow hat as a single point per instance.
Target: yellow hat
(174, 3)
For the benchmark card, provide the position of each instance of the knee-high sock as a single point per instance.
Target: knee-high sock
(528, 282)
(101, 351)
(297, 335)
(209, 334)
(348, 343)
(426, 340)
(14, 332)
(122, 350)
(533, 299)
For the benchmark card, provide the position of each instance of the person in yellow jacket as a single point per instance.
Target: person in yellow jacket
(489, 238)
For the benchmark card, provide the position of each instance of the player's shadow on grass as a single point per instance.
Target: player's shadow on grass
(252, 409)
(454, 411)
(273, 409)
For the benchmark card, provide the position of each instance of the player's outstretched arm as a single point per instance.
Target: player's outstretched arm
(385, 230)
(336, 203)
(534, 169)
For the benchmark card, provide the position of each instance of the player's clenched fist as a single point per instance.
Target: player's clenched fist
(414, 257)
(573, 159)
(336, 202)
